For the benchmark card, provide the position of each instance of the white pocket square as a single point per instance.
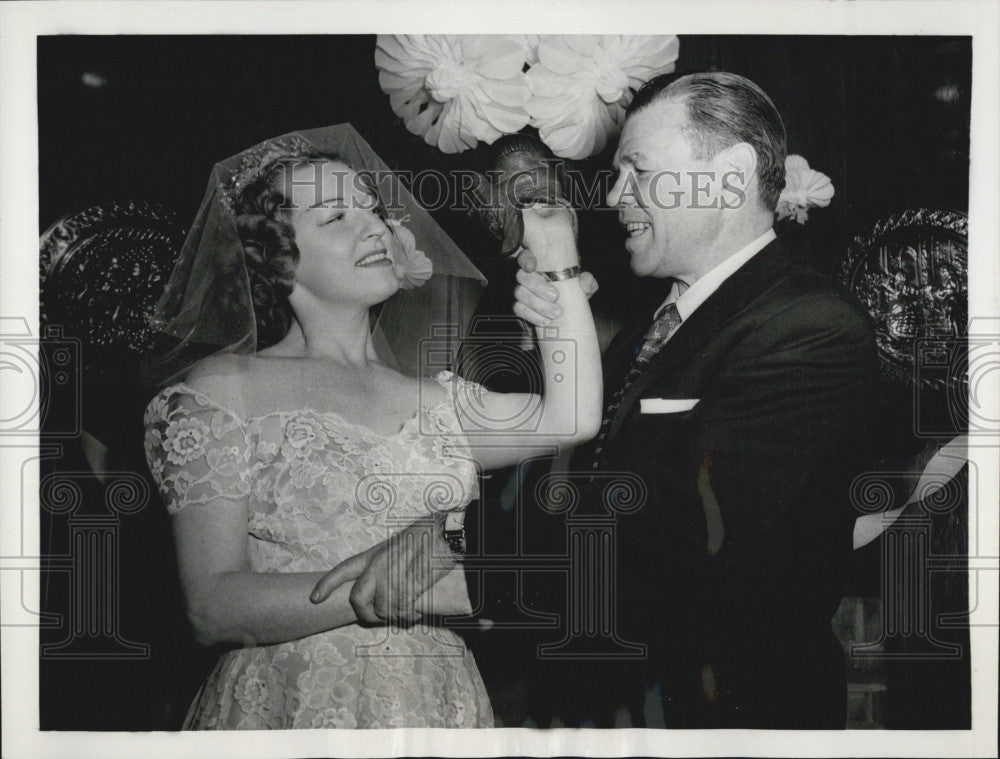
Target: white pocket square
(666, 405)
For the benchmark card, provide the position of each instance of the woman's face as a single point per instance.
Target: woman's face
(345, 250)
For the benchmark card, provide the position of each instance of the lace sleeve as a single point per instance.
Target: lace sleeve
(460, 388)
(196, 450)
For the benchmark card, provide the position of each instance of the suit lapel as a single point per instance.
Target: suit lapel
(732, 296)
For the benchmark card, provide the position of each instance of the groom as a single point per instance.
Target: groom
(741, 403)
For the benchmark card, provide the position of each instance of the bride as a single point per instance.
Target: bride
(297, 444)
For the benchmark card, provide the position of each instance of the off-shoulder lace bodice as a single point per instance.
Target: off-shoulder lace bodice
(317, 489)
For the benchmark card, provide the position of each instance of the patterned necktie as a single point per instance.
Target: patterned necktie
(662, 328)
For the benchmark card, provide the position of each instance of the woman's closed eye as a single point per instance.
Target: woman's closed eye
(336, 217)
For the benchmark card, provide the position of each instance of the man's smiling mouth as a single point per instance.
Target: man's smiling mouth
(635, 228)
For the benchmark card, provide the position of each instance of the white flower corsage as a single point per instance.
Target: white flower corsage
(805, 188)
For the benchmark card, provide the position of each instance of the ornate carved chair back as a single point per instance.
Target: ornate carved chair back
(910, 271)
(102, 269)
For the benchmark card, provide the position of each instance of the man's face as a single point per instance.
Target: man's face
(663, 194)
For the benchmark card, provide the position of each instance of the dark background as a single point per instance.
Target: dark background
(887, 118)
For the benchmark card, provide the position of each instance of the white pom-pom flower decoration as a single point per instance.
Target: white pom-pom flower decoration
(805, 188)
(582, 85)
(455, 90)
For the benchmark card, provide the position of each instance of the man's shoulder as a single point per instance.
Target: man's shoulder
(807, 297)
(801, 327)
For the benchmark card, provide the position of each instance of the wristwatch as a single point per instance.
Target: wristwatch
(454, 532)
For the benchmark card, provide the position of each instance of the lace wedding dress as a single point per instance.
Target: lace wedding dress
(320, 489)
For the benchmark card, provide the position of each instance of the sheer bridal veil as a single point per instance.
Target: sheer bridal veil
(207, 307)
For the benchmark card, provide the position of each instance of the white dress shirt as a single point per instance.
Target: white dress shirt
(689, 300)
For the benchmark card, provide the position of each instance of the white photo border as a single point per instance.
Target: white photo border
(20, 25)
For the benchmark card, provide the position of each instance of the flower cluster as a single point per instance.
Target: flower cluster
(411, 265)
(455, 90)
(805, 188)
(459, 90)
(582, 85)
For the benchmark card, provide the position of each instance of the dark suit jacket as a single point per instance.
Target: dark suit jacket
(731, 571)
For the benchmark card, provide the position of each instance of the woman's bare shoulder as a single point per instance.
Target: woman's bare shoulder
(225, 378)
(432, 391)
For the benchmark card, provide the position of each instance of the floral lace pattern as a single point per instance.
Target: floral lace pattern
(318, 489)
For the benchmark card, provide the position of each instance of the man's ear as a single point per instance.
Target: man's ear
(737, 170)
(740, 157)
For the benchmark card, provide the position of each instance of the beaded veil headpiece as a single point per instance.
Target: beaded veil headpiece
(254, 161)
(207, 306)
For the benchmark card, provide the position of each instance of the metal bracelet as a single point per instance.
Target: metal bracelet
(561, 274)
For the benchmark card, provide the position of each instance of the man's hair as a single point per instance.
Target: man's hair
(724, 109)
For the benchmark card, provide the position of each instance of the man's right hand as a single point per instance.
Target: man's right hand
(536, 298)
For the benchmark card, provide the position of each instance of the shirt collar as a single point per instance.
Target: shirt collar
(708, 283)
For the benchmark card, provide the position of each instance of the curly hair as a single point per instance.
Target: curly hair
(270, 252)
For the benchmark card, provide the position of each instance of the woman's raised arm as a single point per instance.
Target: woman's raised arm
(504, 428)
